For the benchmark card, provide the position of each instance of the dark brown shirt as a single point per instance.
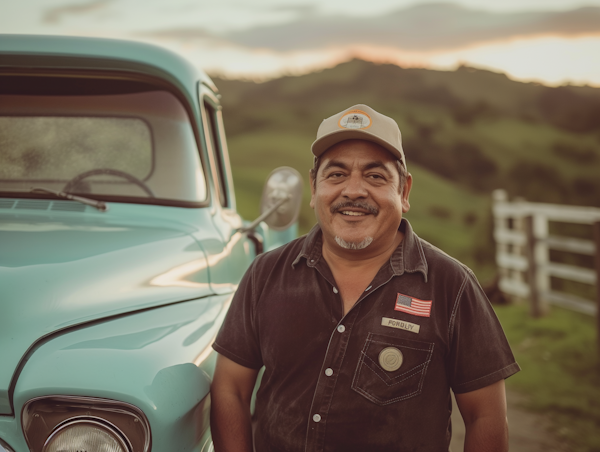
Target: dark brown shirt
(376, 379)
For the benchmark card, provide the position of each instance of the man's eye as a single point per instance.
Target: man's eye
(335, 175)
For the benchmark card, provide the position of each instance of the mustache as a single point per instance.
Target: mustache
(356, 204)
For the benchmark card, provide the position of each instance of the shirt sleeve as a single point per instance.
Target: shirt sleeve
(238, 339)
(480, 354)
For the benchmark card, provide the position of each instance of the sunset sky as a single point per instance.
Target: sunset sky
(550, 41)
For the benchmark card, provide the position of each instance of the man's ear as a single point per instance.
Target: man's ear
(406, 193)
(312, 189)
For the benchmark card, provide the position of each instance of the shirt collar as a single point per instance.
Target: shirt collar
(312, 247)
(408, 257)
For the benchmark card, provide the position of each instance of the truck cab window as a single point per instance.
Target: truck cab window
(216, 150)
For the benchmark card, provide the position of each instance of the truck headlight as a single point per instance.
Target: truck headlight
(87, 435)
(73, 424)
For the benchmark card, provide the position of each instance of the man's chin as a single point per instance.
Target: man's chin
(354, 244)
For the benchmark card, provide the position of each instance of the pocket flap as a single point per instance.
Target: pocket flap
(391, 369)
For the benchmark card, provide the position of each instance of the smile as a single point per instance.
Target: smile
(362, 208)
(352, 214)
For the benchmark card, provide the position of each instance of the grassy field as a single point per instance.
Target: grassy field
(453, 219)
(560, 370)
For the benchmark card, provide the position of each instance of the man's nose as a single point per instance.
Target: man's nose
(355, 187)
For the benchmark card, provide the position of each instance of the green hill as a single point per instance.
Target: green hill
(465, 133)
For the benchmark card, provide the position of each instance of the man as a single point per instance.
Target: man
(362, 327)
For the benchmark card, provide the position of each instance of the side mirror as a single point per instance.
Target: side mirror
(281, 200)
(282, 195)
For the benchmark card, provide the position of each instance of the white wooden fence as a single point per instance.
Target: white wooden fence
(523, 244)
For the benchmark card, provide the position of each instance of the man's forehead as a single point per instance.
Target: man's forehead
(352, 152)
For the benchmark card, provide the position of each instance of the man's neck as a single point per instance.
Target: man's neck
(371, 256)
(354, 270)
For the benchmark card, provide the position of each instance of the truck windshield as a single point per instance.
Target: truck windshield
(99, 143)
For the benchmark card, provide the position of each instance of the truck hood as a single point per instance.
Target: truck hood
(66, 269)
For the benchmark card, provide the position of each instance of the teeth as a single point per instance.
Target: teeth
(354, 214)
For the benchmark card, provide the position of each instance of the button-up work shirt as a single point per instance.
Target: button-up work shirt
(376, 379)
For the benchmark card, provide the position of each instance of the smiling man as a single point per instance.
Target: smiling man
(362, 327)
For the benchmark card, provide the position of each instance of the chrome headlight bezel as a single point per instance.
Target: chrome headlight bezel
(43, 417)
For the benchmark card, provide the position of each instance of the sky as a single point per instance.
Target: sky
(549, 41)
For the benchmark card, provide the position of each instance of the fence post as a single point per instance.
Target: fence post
(542, 257)
(596, 227)
(500, 197)
(538, 308)
(519, 225)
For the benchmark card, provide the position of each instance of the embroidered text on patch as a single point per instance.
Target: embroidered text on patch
(400, 324)
(414, 306)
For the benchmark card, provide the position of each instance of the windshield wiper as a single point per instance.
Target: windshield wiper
(101, 206)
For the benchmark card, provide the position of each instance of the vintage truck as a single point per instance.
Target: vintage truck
(120, 245)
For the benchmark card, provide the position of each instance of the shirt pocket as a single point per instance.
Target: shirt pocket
(397, 383)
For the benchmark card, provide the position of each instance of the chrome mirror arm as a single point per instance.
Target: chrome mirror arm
(265, 214)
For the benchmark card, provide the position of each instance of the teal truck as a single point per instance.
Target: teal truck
(120, 245)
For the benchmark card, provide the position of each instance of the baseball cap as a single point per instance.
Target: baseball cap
(359, 122)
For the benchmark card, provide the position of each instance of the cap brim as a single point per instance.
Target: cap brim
(326, 141)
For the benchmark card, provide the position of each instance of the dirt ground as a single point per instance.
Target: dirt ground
(528, 432)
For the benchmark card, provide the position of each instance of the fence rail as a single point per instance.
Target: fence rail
(523, 245)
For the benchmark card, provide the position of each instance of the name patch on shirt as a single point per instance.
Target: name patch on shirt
(400, 324)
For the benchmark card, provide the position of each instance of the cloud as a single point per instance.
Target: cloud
(55, 15)
(434, 27)
(183, 34)
(299, 9)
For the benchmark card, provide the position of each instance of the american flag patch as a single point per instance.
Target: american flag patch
(413, 306)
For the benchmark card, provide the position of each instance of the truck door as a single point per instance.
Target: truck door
(228, 260)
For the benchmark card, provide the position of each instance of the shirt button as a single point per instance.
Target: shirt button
(317, 418)
(335, 290)
(341, 328)
(329, 372)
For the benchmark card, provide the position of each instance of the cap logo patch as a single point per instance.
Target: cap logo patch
(355, 119)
